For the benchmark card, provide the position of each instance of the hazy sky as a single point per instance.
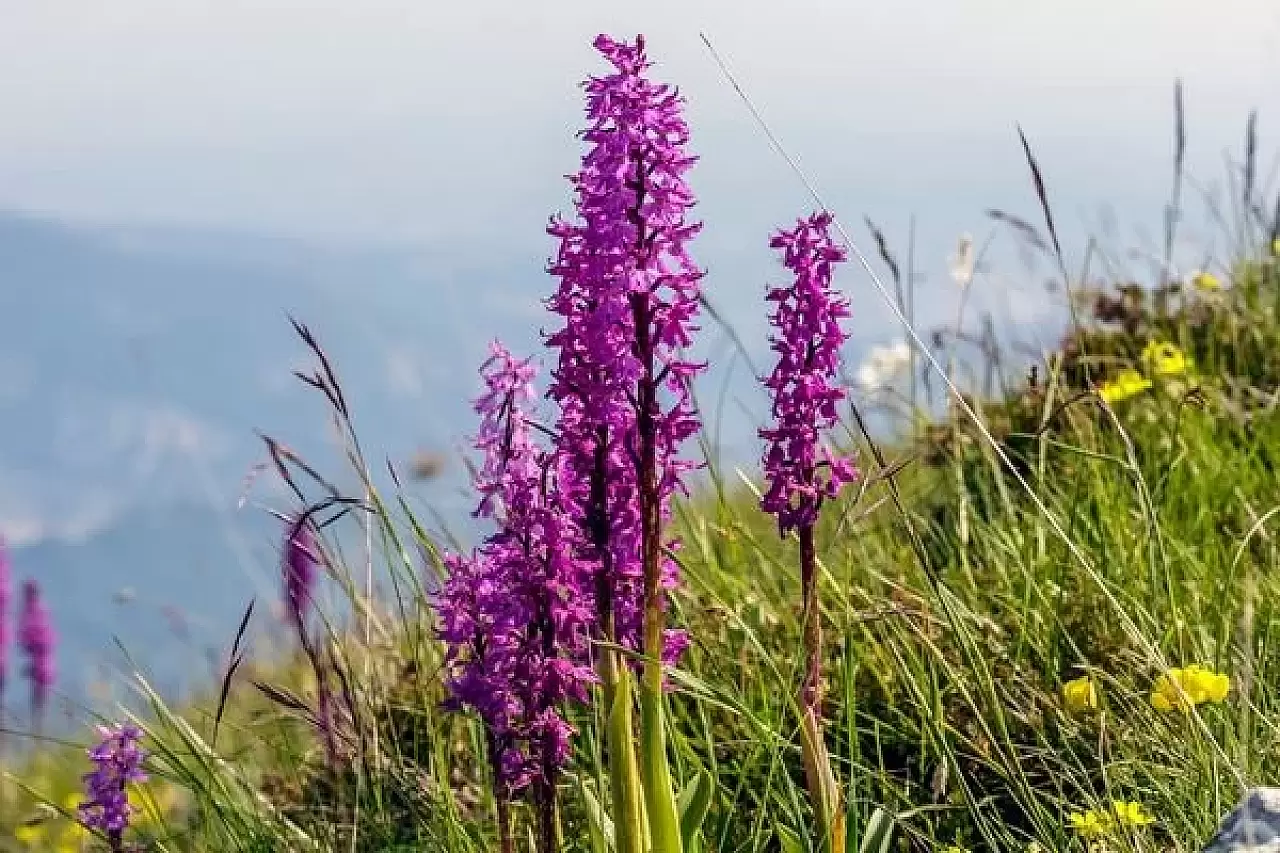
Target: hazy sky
(429, 121)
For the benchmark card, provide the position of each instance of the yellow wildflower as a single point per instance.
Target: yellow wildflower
(1128, 383)
(1206, 282)
(1090, 823)
(30, 834)
(1182, 689)
(1130, 813)
(1080, 694)
(1165, 359)
(1275, 247)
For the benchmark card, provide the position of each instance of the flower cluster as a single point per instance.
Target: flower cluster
(801, 470)
(1092, 823)
(37, 639)
(1183, 689)
(628, 294)
(514, 614)
(1161, 359)
(117, 761)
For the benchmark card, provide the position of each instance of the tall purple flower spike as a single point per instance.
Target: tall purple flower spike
(628, 295)
(800, 468)
(37, 639)
(515, 614)
(117, 761)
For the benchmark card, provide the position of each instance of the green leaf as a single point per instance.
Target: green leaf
(695, 800)
(790, 842)
(655, 774)
(878, 833)
(624, 774)
(598, 823)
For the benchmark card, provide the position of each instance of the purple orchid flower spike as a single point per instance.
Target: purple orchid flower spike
(515, 614)
(37, 638)
(117, 760)
(801, 469)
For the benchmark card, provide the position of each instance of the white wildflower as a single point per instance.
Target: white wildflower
(962, 262)
(883, 365)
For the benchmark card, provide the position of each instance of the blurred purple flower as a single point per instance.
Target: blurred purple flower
(6, 593)
(299, 572)
(628, 293)
(117, 761)
(800, 468)
(37, 639)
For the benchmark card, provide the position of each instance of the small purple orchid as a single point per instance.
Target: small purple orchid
(802, 471)
(117, 761)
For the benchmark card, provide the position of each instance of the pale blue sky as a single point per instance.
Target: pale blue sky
(431, 122)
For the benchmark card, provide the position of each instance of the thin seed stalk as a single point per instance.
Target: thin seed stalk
(824, 793)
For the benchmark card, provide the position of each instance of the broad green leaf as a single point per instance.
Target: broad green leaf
(655, 773)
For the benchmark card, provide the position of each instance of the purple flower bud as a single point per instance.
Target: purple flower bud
(117, 761)
(6, 590)
(37, 640)
(801, 470)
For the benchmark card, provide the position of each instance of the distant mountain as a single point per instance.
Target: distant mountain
(136, 366)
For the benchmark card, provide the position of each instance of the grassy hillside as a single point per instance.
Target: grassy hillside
(955, 614)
